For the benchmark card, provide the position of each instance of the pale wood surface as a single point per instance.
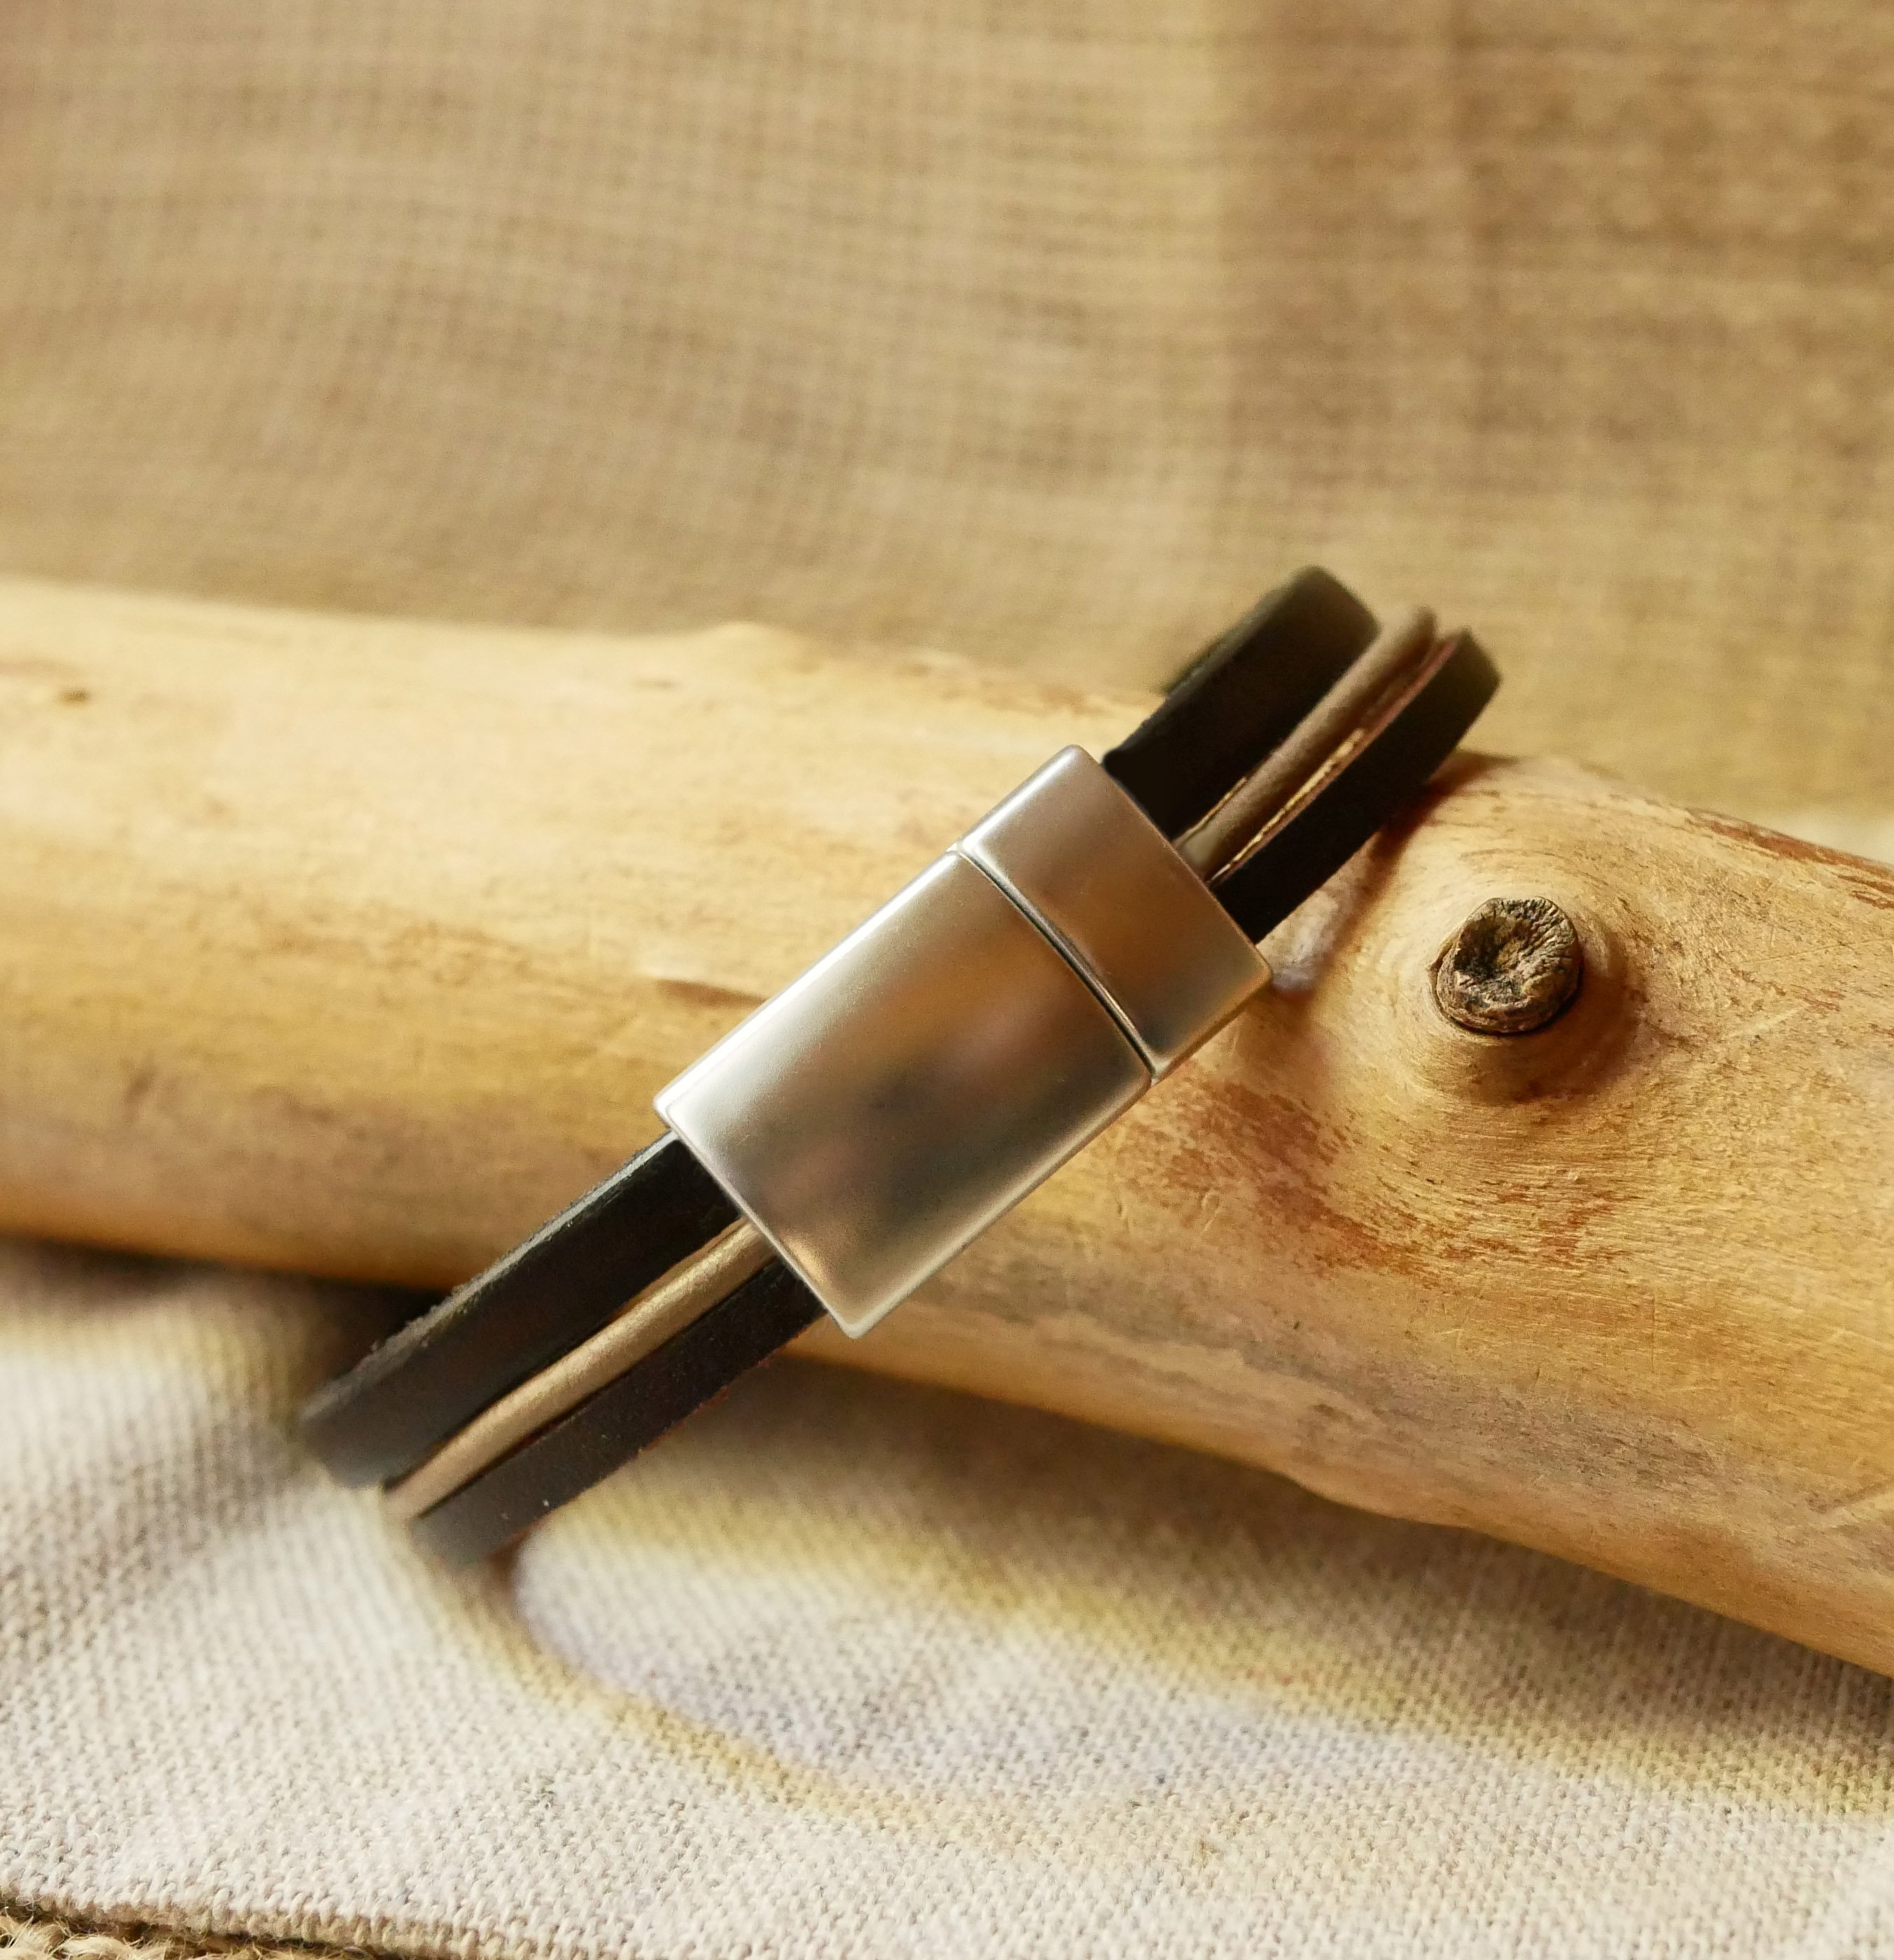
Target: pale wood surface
(358, 948)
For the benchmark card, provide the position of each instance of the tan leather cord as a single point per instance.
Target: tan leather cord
(1338, 718)
(660, 1311)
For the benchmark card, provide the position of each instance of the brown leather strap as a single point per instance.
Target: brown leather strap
(660, 1311)
(1363, 785)
(1240, 697)
(746, 1327)
(401, 1402)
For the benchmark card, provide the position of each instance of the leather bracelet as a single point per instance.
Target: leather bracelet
(859, 1129)
(1238, 702)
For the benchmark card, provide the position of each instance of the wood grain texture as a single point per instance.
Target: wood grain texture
(359, 948)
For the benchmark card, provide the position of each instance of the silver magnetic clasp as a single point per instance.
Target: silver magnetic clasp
(951, 1053)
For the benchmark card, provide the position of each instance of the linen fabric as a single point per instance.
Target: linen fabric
(845, 1667)
(1048, 333)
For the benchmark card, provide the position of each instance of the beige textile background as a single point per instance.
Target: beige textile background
(1047, 332)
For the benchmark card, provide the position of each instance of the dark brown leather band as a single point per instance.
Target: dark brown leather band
(1239, 698)
(424, 1382)
(744, 1328)
(1367, 786)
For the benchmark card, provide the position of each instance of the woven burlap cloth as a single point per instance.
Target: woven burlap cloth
(1047, 332)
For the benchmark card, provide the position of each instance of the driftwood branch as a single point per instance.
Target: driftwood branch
(358, 948)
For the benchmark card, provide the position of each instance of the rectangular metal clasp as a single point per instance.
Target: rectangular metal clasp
(1101, 878)
(918, 1080)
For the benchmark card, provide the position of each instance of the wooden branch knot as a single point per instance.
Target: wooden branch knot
(1513, 966)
